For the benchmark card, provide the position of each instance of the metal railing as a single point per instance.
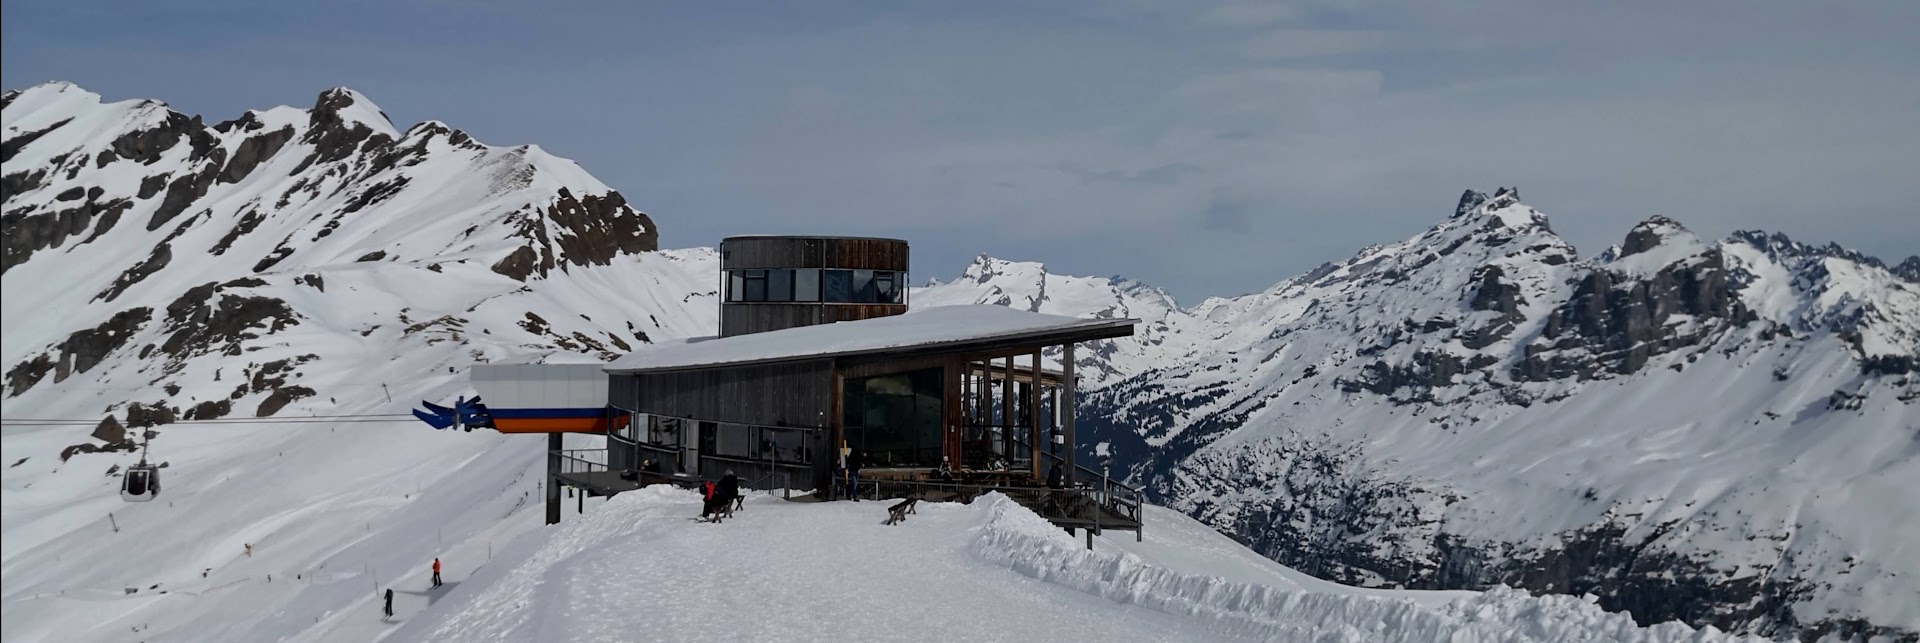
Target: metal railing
(580, 460)
(1085, 504)
(765, 483)
(1113, 496)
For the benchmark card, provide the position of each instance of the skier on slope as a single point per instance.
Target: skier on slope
(436, 572)
(389, 601)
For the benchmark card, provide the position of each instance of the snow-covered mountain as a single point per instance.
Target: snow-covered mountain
(292, 262)
(1161, 337)
(131, 228)
(1719, 432)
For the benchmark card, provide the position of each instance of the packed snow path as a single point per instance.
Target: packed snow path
(641, 569)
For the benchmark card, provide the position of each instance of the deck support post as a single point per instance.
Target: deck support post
(1067, 386)
(953, 389)
(555, 442)
(1006, 414)
(1033, 416)
(983, 408)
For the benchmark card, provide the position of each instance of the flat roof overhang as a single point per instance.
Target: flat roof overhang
(998, 344)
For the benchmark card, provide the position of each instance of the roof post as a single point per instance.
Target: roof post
(1033, 415)
(1068, 383)
(1007, 420)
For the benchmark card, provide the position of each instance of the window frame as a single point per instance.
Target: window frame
(777, 279)
(802, 293)
(845, 277)
(751, 279)
(816, 286)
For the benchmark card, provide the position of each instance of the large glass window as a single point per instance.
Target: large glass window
(813, 284)
(863, 290)
(895, 419)
(884, 288)
(836, 285)
(756, 285)
(806, 284)
(779, 285)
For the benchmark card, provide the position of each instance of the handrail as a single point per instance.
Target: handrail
(1118, 497)
(571, 462)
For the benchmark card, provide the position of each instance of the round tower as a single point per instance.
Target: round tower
(774, 282)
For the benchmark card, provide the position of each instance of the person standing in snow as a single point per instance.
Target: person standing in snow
(389, 601)
(854, 461)
(436, 572)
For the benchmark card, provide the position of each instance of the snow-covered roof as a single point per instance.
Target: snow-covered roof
(931, 327)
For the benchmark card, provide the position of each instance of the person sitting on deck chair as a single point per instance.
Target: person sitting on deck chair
(709, 506)
(728, 492)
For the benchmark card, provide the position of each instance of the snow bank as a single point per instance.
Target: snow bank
(1014, 536)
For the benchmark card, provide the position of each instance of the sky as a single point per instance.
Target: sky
(1208, 148)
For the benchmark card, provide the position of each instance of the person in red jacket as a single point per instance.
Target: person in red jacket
(709, 501)
(436, 572)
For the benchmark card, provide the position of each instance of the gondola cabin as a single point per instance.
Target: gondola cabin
(140, 483)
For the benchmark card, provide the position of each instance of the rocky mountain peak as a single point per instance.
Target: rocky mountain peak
(985, 268)
(1657, 243)
(1909, 269)
(1783, 248)
(1651, 233)
(343, 105)
(1468, 201)
(1503, 197)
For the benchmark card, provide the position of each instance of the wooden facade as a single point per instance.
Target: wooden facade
(826, 253)
(1000, 410)
(790, 394)
(743, 318)
(856, 253)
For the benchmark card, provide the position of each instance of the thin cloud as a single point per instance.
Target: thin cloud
(1282, 44)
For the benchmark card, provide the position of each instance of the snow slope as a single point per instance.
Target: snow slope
(638, 568)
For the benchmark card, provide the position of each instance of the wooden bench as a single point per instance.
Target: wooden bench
(898, 512)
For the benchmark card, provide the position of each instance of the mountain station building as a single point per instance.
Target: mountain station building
(818, 355)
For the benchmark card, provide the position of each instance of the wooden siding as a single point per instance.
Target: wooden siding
(851, 312)
(869, 368)
(869, 254)
(759, 317)
(794, 393)
(741, 319)
(747, 253)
